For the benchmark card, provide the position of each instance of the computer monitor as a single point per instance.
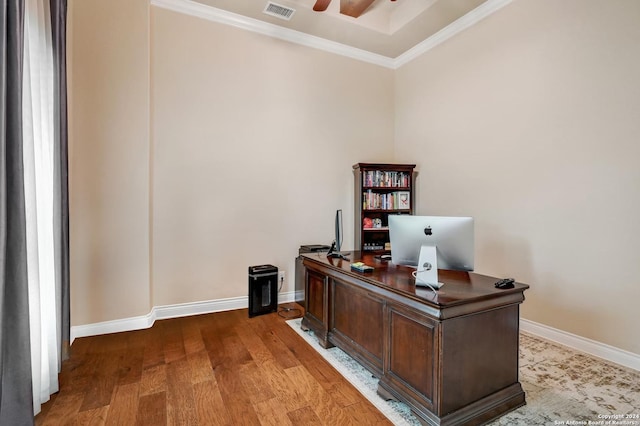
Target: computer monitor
(429, 243)
(334, 251)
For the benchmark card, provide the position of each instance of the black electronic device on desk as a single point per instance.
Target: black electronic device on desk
(384, 257)
(505, 283)
(313, 248)
(334, 251)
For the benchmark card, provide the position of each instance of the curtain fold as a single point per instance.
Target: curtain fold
(15, 369)
(45, 171)
(37, 128)
(61, 172)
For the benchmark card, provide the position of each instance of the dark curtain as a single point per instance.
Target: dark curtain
(61, 194)
(16, 402)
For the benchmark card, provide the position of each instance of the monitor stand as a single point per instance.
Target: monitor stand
(333, 253)
(427, 272)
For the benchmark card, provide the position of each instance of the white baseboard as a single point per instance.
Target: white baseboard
(166, 312)
(591, 347)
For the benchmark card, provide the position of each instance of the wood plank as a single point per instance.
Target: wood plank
(102, 386)
(130, 366)
(256, 347)
(286, 391)
(44, 408)
(95, 417)
(345, 394)
(173, 341)
(209, 404)
(271, 413)
(79, 369)
(192, 338)
(153, 354)
(154, 380)
(252, 378)
(222, 343)
(65, 407)
(235, 353)
(181, 408)
(152, 410)
(304, 416)
(124, 406)
(324, 405)
(271, 340)
(200, 367)
(234, 395)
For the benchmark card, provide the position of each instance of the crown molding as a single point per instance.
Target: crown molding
(213, 14)
(457, 26)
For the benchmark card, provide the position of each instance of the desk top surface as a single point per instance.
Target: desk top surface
(459, 287)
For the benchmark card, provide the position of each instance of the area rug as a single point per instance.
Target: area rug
(562, 386)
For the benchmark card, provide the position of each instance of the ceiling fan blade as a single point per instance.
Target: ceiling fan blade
(354, 8)
(321, 5)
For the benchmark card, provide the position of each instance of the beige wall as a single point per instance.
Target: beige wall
(528, 121)
(254, 139)
(198, 149)
(109, 159)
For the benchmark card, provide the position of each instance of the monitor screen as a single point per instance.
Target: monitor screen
(452, 237)
(336, 246)
(338, 230)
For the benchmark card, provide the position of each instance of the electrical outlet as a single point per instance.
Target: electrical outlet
(280, 277)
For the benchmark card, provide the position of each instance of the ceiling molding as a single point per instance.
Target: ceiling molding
(457, 26)
(213, 14)
(210, 13)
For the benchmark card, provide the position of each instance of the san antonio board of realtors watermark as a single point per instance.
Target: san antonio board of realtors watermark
(605, 419)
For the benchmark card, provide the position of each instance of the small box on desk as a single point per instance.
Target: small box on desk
(361, 267)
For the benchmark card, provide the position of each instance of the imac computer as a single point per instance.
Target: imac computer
(334, 251)
(431, 242)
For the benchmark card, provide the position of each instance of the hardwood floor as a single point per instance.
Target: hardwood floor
(215, 369)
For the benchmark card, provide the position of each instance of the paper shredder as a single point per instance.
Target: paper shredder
(263, 289)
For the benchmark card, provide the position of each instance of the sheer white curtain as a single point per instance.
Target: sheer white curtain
(39, 174)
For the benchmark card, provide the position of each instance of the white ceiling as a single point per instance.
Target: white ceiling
(386, 29)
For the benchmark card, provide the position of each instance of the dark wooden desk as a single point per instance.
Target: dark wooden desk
(451, 356)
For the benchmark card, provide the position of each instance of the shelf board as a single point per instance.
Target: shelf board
(394, 188)
(382, 229)
(387, 210)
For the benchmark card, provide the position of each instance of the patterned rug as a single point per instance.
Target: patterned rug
(562, 386)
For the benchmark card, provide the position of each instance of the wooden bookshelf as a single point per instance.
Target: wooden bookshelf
(380, 190)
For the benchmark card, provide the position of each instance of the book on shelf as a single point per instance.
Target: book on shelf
(397, 200)
(385, 179)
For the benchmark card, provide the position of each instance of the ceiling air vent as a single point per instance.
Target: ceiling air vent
(279, 11)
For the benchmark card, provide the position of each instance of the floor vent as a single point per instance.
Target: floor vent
(279, 11)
